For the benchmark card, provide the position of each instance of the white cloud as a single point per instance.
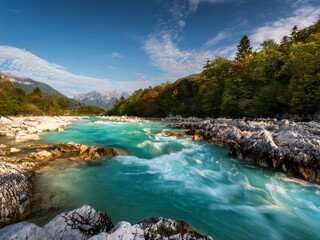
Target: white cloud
(20, 62)
(112, 67)
(302, 17)
(165, 55)
(195, 3)
(115, 55)
(220, 36)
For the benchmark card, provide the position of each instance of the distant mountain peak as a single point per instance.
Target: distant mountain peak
(101, 98)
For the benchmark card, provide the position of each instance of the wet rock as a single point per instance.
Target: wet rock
(94, 153)
(176, 134)
(15, 191)
(69, 147)
(197, 138)
(41, 146)
(83, 148)
(81, 223)
(24, 231)
(42, 155)
(88, 153)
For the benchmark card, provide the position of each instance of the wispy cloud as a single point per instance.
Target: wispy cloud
(195, 3)
(141, 75)
(213, 41)
(166, 55)
(116, 55)
(21, 62)
(112, 67)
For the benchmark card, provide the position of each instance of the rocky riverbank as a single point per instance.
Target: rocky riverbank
(16, 175)
(87, 223)
(287, 146)
(25, 129)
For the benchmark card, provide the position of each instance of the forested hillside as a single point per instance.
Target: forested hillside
(276, 79)
(14, 101)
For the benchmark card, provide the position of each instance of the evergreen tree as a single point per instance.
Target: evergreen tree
(294, 33)
(244, 48)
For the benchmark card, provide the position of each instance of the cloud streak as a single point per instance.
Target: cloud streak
(213, 41)
(21, 62)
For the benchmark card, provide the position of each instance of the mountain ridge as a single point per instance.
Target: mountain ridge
(101, 98)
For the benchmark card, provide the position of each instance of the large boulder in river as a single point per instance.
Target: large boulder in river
(69, 147)
(81, 223)
(86, 152)
(93, 153)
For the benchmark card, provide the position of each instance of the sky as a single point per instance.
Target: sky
(78, 46)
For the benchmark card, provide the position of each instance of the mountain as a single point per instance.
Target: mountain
(104, 99)
(27, 84)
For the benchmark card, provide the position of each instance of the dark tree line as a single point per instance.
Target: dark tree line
(277, 79)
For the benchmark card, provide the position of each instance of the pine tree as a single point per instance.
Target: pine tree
(294, 33)
(244, 48)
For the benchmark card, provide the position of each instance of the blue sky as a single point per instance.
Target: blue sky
(80, 45)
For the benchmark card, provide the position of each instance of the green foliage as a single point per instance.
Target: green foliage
(14, 101)
(278, 79)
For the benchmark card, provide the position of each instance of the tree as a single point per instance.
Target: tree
(244, 48)
(294, 33)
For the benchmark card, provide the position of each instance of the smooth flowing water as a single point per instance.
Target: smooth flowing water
(181, 179)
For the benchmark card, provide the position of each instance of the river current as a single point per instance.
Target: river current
(175, 177)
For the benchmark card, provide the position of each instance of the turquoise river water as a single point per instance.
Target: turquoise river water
(181, 179)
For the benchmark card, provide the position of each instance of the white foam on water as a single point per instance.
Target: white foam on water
(199, 161)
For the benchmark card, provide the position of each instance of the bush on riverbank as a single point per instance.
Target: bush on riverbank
(278, 79)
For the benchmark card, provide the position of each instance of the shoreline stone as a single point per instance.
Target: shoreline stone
(25, 129)
(286, 146)
(87, 223)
